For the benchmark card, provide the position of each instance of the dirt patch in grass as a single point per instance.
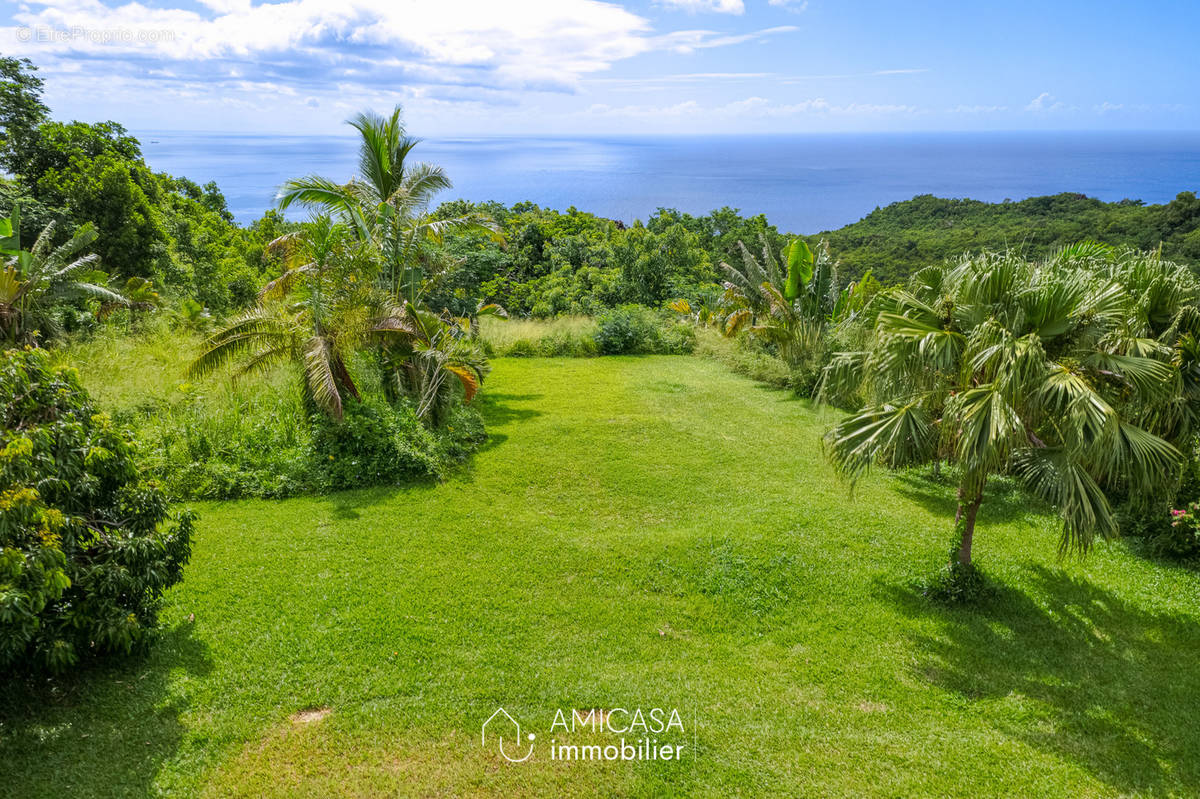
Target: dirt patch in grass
(309, 716)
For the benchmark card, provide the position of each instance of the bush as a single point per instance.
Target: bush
(627, 329)
(83, 561)
(462, 435)
(956, 584)
(635, 329)
(374, 444)
(1180, 538)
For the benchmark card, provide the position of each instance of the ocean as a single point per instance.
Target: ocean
(803, 183)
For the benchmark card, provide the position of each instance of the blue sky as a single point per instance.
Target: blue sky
(587, 66)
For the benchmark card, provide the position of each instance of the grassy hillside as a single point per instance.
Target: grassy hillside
(651, 532)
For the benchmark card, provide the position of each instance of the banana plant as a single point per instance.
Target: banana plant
(789, 305)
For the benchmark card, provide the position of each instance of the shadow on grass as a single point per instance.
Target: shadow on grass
(1080, 673)
(497, 408)
(1003, 500)
(497, 411)
(105, 730)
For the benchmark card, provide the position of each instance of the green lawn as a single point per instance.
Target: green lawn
(639, 532)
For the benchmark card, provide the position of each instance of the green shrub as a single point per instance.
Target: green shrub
(84, 556)
(638, 330)
(627, 329)
(374, 444)
(462, 434)
(956, 584)
(1180, 537)
(677, 338)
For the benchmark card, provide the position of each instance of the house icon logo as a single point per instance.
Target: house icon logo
(505, 726)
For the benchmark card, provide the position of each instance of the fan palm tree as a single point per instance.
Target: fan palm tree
(1054, 372)
(34, 280)
(387, 203)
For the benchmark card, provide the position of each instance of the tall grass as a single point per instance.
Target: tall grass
(227, 436)
(744, 357)
(566, 335)
(219, 437)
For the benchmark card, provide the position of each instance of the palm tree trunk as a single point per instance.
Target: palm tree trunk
(964, 524)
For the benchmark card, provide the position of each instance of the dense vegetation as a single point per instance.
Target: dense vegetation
(85, 551)
(896, 241)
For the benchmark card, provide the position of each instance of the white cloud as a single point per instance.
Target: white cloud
(844, 76)
(533, 44)
(1044, 103)
(713, 6)
(660, 82)
(690, 41)
(1106, 107)
(792, 5)
(383, 51)
(686, 108)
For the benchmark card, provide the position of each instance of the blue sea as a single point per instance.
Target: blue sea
(803, 183)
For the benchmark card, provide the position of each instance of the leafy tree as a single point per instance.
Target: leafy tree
(85, 553)
(721, 231)
(58, 148)
(1052, 371)
(656, 267)
(111, 194)
(21, 111)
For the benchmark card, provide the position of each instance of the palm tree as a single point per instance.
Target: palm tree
(387, 203)
(426, 355)
(1054, 372)
(33, 281)
(333, 313)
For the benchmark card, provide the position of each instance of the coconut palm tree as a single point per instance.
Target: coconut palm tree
(387, 203)
(387, 206)
(1054, 372)
(332, 312)
(33, 281)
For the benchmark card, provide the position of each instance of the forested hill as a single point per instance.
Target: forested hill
(896, 240)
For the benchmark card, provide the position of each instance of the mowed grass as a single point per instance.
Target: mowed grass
(640, 532)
